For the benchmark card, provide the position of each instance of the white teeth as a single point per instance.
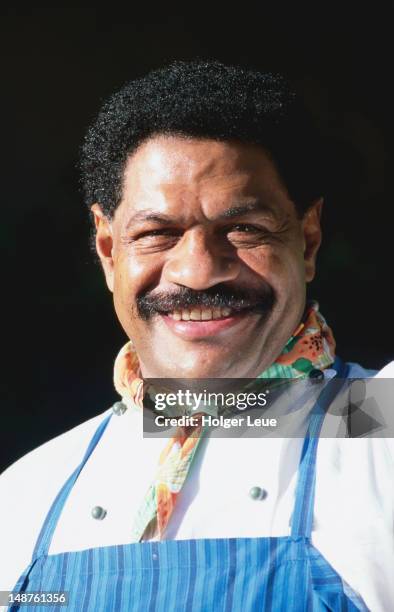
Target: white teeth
(200, 314)
(185, 315)
(216, 313)
(206, 314)
(195, 314)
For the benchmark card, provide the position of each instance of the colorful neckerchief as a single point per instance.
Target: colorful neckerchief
(312, 346)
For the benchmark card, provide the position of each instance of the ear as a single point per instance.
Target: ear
(311, 229)
(104, 243)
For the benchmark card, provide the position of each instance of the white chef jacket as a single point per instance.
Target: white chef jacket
(353, 523)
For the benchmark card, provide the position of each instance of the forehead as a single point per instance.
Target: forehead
(175, 171)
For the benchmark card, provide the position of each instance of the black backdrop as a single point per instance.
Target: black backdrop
(60, 334)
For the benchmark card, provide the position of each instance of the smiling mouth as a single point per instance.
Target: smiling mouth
(202, 322)
(201, 314)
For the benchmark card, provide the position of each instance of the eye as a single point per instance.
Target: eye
(245, 235)
(158, 233)
(245, 231)
(245, 227)
(153, 240)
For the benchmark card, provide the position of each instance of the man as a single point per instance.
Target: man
(205, 183)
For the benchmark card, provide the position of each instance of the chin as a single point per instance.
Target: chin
(208, 371)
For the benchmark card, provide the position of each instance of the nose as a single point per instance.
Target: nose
(199, 261)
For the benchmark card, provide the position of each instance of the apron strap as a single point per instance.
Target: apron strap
(52, 518)
(302, 518)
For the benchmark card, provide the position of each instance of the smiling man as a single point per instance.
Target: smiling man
(205, 183)
(208, 252)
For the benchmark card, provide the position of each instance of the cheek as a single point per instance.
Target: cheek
(282, 268)
(133, 275)
(125, 288)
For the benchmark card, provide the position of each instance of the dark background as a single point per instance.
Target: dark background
(58, 64)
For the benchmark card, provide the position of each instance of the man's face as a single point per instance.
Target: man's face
(206, 258)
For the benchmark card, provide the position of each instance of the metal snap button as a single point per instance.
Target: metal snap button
(257, 493)
(316, 375)
(98, 513)
(119, 408)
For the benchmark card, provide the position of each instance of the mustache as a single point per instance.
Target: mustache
(258, 301)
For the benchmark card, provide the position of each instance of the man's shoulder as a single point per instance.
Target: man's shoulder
(355, 370)
(380, 443)
(57, 454)
(27, 490)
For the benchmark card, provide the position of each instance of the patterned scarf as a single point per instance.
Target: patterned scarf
(312, 346)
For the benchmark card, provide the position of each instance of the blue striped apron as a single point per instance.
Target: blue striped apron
(225, 574)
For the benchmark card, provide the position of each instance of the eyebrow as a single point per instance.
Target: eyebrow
(230, 213)
(147, 215)
(244, 209)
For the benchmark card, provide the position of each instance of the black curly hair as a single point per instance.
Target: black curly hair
(203, 99)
